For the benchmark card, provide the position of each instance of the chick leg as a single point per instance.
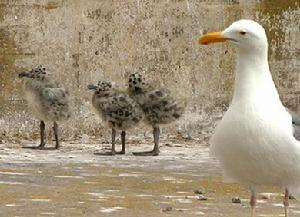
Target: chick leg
(42, 135)
(123, 139)
(155, 151)
(55, 131)
(113, 142)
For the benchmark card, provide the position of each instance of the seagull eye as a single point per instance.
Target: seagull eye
(242, 32)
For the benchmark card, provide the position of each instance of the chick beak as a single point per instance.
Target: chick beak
(92, 87)
(23, 74)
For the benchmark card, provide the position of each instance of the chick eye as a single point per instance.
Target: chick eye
(242, 32)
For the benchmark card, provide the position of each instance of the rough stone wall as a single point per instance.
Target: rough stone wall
(82, 41)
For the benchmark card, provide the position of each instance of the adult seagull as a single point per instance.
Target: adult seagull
(254, 142)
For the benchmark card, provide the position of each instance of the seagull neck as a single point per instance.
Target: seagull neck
(253, 80)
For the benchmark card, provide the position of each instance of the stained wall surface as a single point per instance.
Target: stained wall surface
(82, 41)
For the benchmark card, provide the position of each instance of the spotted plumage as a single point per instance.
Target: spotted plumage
(158, 104)
(117, 110)
(47, 100)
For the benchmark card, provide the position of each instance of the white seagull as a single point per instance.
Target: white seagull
(254, 142)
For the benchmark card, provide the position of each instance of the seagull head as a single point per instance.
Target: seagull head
(246, 34)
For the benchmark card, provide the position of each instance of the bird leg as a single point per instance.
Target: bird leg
(123, 136)
(113, 141)
(155, 151)
(42, 135)
(156, 133)
(253, 203)
(286, 203)
(55, 130)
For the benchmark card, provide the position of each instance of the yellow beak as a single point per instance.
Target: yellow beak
(211, 37)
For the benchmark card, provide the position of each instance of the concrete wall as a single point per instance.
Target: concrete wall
(82, 41)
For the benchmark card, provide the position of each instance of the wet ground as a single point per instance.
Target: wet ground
(182, 181)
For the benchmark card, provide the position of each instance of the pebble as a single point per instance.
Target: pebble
(291, 197)
(202, 197)
(167, 209)
(199, 192)
(236, 200)
(265, 196)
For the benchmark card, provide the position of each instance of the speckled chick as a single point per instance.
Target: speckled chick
(117, 110)
(47, 100)
(158, 104)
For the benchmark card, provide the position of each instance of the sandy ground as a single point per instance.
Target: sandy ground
(182, 181)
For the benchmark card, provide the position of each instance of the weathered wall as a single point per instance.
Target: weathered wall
(81, 41)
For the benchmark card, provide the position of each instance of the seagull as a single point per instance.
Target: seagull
(158, 104)
(47, 99)
(254, 141)
(117, 110)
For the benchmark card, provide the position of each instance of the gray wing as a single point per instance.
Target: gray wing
(295, 118)
(122, 108)
(119, 110)
(296, 123)
(55, 96)
(160, 107)
(55, 102)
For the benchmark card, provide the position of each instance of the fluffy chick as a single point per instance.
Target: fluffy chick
(47, 100)
(158, 104)
(117, 110)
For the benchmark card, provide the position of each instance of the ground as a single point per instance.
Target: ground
(182, 181)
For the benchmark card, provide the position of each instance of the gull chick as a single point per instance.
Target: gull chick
(47, 100)
(117, 110)
(254, 142)
(158, 104)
